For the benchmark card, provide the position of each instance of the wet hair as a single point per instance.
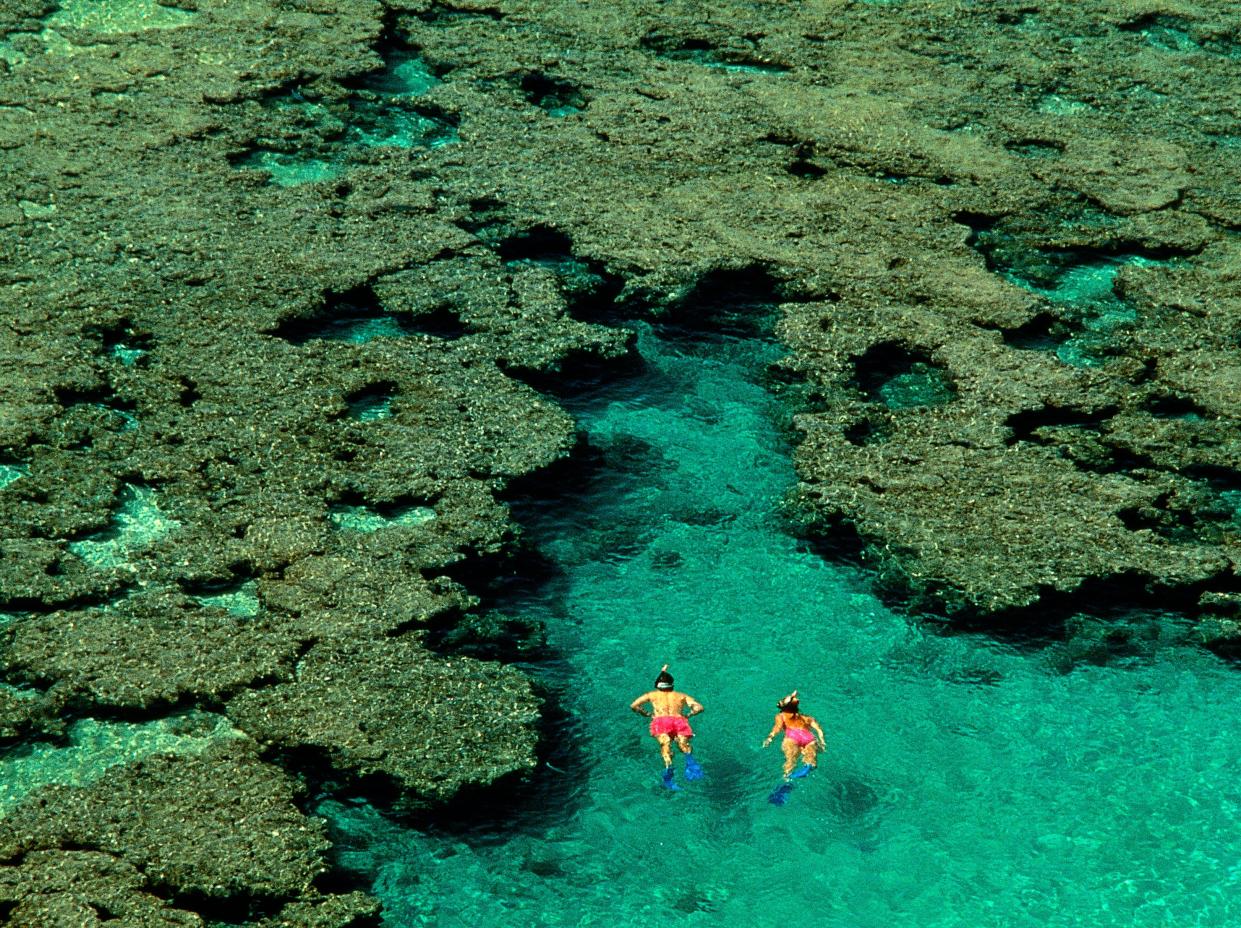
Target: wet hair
(788, 705)
(663, 681)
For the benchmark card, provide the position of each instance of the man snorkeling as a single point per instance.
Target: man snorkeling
(668, 721)
(802, 735)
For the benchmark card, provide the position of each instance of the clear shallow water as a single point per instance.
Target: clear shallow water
(966, 783)
(112, 17)
(382, 112)
(93, 747)
(137, 522)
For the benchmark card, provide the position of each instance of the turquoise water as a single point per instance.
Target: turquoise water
(93, 747)
(1088, 292)
(109, 17)
(382, 112)
(10, 473)
(367, 519)
(967, 782)
(371, 406)
(127, 355)
(241, 599)
(136, 523)
(922, 385)
(1083, 287)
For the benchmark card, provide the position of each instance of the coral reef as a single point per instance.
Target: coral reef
(197, 845)
(280, 274)
(385, 709)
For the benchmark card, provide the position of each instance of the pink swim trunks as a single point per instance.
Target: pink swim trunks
(674, 725)
(799, 736)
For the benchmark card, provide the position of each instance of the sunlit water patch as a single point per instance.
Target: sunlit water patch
(1081, 285)
(1088, 290)
(966, 783)
(1232, 501)
(357, 317)
(371, 406)
(10, 473)
(109, 17)
(1175, 35)
(113, 16)
(900, 378)
(1166, 36)
(241, 599)
(1054, 104)
(126, 354)
(96, 746)
(362, 329)
(137, 522)
(922, 385)
(405, 73)
(383, 110)
(369, 519)
(288, 169)
(125, 421)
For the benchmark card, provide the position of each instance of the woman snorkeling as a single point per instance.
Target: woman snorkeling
(802, 735)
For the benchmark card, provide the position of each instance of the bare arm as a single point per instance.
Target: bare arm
(818, 731)
(775, 729)
(636, 705)
(694, 705)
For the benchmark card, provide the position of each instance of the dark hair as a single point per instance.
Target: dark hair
(788, 705)
(664, 680)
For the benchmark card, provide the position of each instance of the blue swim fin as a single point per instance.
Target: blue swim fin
(800, 772)
(780, 795)
(667, 780)
(693, 769)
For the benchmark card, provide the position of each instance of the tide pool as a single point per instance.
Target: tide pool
(967, 783)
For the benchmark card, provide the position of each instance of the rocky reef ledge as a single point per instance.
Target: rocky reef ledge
(281, 274)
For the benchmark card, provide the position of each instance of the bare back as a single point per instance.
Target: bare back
(668, 702)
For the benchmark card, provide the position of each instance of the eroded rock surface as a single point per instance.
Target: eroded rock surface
(77, 887)
(220, 825)
(277, 272)
(386, 709)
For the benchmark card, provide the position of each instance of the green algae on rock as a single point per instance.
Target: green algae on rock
(147, 651)
(843, 160)
(175, 818)
(62, 887)
(391, 709)
(337, 910)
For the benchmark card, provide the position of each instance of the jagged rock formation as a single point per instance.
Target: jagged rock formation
(279, 273)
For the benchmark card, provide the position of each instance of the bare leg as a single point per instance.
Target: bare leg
(684, 745)
(789, 746)
(665, 748)
(809, 753)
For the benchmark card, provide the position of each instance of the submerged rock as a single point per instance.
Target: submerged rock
(25, 712)
(220, 825)
(88, 888)
(77, 887)
(346, 910)
(923, 195)
(147, 652)
(389, 709)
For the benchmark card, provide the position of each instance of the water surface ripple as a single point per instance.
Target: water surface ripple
(966, 782)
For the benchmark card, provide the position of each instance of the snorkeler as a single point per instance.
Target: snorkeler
(669, 722)
(800, 733)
